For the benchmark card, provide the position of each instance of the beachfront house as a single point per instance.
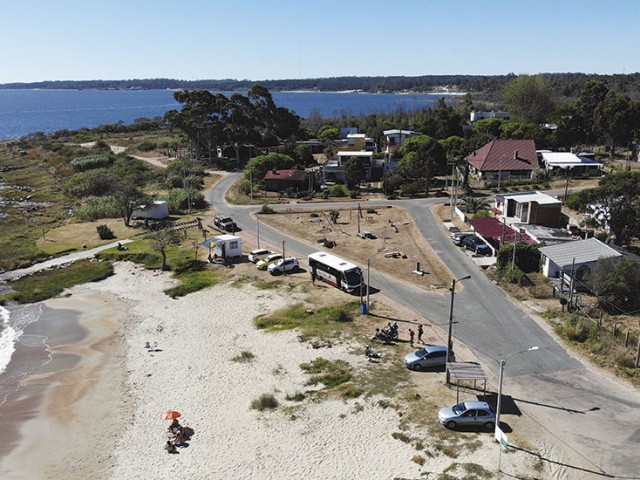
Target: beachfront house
(503, 160)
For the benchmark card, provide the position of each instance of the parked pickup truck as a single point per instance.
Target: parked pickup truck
(224, 223)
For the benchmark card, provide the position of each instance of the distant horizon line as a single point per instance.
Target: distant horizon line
(235, 80)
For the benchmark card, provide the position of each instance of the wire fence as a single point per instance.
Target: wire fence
(625, 338)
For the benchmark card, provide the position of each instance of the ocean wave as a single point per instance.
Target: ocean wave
(8, 337)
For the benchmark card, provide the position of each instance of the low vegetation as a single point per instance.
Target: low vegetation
(266, 401)
(50, 283)
(327, 372)
(244, 356)
(325, 323)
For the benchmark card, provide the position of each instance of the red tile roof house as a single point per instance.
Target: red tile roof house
(281, 180)
(504, 159)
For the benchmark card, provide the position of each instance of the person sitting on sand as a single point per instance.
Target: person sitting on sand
(175, 427)
(179, 439)
(170, 447)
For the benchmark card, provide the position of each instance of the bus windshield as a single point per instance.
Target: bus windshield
(353, 277)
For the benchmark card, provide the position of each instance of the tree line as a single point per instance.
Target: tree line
(563, 85)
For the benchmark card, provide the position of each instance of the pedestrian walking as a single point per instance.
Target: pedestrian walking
(420, 332)
(411, 335)
(313, 278)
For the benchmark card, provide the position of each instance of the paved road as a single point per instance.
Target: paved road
(593, 420)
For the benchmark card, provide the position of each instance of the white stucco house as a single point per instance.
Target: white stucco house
(579, 255)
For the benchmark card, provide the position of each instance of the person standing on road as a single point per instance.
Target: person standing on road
(411, 335)
(313, 277)
(420, 332)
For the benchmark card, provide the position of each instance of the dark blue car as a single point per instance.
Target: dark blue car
(476, 245)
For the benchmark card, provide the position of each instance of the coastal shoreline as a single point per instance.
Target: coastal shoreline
(55, 419)
(132, 353)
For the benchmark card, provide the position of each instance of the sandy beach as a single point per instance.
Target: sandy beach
(96, 408)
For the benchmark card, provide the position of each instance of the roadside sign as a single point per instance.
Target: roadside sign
(501, 438)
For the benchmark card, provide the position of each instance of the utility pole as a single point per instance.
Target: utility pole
(449, 340)
(251, 179)
(368, 283)
(284, 263)
(258, 229)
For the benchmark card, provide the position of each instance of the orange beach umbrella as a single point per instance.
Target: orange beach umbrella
(171, 415)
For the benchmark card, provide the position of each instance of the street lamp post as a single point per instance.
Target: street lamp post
(498, 431)
(502, 364)
(449, 340)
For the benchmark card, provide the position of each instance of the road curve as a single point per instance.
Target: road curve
(593, 418)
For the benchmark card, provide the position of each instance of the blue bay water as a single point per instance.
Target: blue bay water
(27, 111)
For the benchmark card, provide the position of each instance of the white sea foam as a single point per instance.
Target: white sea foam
(7, 339)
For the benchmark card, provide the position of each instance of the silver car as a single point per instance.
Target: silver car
(468, 414)
(428, 356)
(289, 264)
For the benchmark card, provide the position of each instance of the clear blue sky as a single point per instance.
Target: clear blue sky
(262, 39)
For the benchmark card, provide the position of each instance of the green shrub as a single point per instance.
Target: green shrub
(340, 315)
(245, 356)
(104, 232)
(91, 183)
(179, 198)
(314, 215)
(266, 401)
(244, 187)
(338, 191)
(296, 397)
(351, 392)
(266, 209)
(482, 213)
(625, 361)
(371, 210)
(91, 162)
(575, 329)
(96, 208)
(403, 437)
(147, 146)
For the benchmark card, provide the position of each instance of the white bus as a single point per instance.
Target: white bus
(335, 271)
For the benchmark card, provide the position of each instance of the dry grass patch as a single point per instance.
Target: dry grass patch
(315, 225)
(74, 235)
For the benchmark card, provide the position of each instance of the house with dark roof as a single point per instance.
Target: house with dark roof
(504, 160)
(281, 180)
